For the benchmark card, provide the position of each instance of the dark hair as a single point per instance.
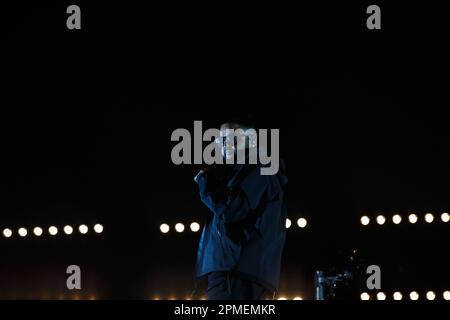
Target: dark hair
(246, 121)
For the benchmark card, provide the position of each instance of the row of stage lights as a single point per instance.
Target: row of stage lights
(412, 218)
(293, 298)
(302, 223)
(282, 297)
(179, 227)
(413, 295)
(52, 230)
(194, 226)
(49, 296)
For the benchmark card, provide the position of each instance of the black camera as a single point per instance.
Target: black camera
(332, 287)
(343, 281)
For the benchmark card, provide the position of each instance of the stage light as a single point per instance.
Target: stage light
(412, 218)
(83, 229)
(37, 231)
(365, 220)
(282, 298)
(301, 222)
(298, 298)
(396, 219)
(365, 296)
(98, 228)
(288, 223)
(53, 230)
(23, 232)
(397, 296)
(414, 296)
(179, 227)
(381, 296)
(195, 227)
(446, 295)
(68, 229)
(7, 233)
(445, 217)
(429, 217)
(431, 295)
(164, 228)
(381, 220)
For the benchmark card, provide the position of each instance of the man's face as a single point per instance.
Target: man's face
(232, 140)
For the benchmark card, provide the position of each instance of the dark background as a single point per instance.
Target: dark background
(87, 115)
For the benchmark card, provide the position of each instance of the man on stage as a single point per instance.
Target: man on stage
(241, 245)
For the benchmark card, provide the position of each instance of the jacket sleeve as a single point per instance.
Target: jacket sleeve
(231, 204)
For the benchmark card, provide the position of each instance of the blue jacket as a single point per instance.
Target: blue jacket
(247, 231)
